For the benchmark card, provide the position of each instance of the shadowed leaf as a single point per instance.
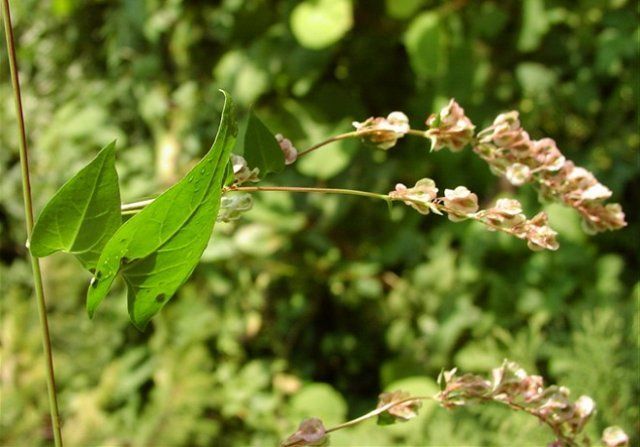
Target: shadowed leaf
(260, 147)
(158, 249)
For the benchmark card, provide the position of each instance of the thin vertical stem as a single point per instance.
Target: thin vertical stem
(28, 210)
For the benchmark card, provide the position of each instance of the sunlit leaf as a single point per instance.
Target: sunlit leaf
(260, 147)
(424, 41)
(319, 400)
(317, 24)
(535, 25)
(83, 214)
(157, 250)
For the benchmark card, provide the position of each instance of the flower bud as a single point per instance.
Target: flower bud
(232, 205)
(311, 432)
(450, 128)
(289, 150)
(241, 171)
(584, 407)
(460, 202)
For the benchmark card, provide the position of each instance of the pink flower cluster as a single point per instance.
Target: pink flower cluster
(383, 132)
(511, 385)
(460, 204)
(450, 128)
(510, 152)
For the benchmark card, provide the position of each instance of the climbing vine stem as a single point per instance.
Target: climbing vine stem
(28, 209)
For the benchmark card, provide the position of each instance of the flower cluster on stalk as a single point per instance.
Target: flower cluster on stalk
(512, 386)
(450, 128)
(513, 154)
(461, 204)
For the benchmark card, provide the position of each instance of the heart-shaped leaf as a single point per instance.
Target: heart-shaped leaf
(260, 147)
(157, 250)
(83, 214)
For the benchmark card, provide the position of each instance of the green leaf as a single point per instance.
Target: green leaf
(319, 400)
(157, 250)
(535, 25)
(535, 79)
(317, 24)
(260, 147)
(424, 41)
(385, 419)
(83, 214)
(402, 9)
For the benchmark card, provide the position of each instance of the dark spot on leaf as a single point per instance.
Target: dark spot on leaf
(160, 298)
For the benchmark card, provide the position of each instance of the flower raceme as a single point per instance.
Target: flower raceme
(508, 385)
(511, 153)
(512, 386)
(461, 204)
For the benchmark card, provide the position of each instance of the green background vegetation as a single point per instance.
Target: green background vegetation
(311, 305)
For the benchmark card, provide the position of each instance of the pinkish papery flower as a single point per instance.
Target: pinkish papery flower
(615, 437)
(547, 155)
(541, 237)
(518, 174)
(383, 132)
(510, 152)
(450, 128)
(420, 196)
(403, 411)
(460, 203)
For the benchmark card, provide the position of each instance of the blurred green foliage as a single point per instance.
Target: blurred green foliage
(311, 305)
